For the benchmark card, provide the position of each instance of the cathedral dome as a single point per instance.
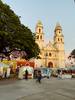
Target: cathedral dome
(58, 27)
(39, 23)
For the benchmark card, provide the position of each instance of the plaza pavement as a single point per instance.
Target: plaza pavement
(49, 89)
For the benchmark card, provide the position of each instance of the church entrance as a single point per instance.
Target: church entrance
(50, 65)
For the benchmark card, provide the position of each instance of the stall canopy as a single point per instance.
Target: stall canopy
(25, 63)
(3, 65)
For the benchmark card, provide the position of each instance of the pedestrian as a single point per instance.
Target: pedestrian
(59, 74)
(35, 74)
(17, 71)
(39, 76)
(5, 74)
(26, 74)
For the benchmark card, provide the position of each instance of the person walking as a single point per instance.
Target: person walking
(39, 76)
(26, 74)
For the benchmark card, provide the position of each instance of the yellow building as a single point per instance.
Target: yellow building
(51, 54)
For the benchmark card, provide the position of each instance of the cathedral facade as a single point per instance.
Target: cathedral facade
(52, 54)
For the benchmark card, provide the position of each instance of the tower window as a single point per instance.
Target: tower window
(59, 31)
(61, 39)
(39, 30)
(58, 39)
(41, 37)
(37, 37)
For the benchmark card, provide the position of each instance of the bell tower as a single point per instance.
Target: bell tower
(59, 44)
(39, 35)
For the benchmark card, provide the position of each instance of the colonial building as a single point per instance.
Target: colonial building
(53, 53)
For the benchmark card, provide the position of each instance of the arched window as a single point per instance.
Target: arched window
(41, 37)
(37, 36)
(50, 54)
(39, 30)
(59, 32)
(58, 39)
(61, 39)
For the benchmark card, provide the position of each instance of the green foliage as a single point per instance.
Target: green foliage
(13, 34)
(73, 53)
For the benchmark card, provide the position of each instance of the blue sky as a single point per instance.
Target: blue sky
(49, 12)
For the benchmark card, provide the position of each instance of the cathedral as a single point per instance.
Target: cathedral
(52, 54)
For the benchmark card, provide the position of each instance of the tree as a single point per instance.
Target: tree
(73, 54)
(13, 34)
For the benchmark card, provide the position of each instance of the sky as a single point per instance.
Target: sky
(49, 12)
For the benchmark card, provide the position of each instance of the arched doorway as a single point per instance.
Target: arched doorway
(50, 65)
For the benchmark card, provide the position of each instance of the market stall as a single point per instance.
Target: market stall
(22, 72)
(4, 70)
